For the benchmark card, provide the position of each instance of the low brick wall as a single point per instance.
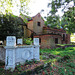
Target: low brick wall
(2, 53)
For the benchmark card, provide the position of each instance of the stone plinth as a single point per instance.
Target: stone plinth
(11, 41)
(36, 41)
(10, 57)
(19, 41)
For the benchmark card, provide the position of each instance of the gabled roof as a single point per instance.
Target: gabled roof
(38, 15)
(28, 18)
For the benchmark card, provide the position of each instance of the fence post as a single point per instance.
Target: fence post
(10, 52)
(36, 49)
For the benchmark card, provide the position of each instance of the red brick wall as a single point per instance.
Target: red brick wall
(68, 39)
(48, 41)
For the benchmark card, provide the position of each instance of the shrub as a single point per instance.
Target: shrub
(28, 41)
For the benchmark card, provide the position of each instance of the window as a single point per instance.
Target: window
(63, 37)
(39, 40)
(56, 40)
(38, 23)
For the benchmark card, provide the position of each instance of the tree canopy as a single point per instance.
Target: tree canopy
(67, 22)
(6, 6)
(10, 25)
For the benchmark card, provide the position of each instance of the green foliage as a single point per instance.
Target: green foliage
(67, 21)
(7, 5)
(10, 25)
(56, 4)
(1, 69)
(31, 61)
(61, 71)
(28, 41)
(18, 67)
(64, 53)
(70, 64)
(46, 23)
(53, 21)
(66, 57)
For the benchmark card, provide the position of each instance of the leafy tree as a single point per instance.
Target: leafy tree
(10, 25)
(56, 4)
(7, 5)
(52, 19)
(68, 20)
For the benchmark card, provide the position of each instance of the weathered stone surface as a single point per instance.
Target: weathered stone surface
(2, 54)
(24, 53)
(36, 41)
(19, 54)
(11, 41)
(19, 41)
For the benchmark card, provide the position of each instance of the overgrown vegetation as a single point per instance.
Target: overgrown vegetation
(63, 62)
(27, 41)
(56, 62)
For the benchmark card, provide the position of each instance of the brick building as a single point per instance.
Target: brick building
(48, 36)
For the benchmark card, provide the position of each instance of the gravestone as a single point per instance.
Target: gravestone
(19, 41)
(36, 41)
(11, 41)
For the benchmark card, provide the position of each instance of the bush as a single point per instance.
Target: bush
(28, 41)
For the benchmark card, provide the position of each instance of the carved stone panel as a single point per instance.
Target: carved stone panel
(25, 55)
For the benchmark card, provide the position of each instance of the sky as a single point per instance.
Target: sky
(35, 6)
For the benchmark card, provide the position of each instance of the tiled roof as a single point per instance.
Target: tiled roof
(54, 29)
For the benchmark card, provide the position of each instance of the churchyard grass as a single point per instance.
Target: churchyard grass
(56, 62)
(62, 60)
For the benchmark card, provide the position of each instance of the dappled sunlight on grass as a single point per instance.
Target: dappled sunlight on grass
(55, 52)
(70, 51)
(74, 48)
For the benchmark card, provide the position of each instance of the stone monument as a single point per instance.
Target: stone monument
(19, 41)
(36, 41)
(10, 52)
(11, 41)
(36, 49)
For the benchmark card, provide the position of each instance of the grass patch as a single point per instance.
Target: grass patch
(63, 63)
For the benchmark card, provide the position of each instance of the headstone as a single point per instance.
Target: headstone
(36, 41)
(11, 41)
(19, 41)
